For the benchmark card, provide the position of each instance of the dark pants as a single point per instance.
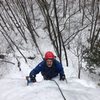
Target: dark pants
(46, 77)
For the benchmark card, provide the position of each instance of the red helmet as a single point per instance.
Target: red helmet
(49, 55)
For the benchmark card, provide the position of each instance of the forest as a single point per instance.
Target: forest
(69, 25)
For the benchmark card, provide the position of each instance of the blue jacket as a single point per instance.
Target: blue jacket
(48, 72)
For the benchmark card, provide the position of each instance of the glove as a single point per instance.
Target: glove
(62, 77)
(33, 79)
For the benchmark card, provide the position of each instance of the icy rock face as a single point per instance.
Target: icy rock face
(75, 89)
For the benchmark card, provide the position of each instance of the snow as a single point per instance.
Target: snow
(13, 87)
(75, 89)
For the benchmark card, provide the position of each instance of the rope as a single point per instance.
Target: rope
(66, 80)
(59, 89)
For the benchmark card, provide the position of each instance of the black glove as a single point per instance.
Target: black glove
(32, 78)
(62, 77)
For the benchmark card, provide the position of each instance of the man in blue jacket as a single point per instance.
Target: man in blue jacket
(49, 68)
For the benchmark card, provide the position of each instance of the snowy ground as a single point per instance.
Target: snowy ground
(13, 87)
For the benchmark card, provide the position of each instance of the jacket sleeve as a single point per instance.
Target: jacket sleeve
(60, 68)
(36, 70)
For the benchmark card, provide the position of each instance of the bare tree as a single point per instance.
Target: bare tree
(19, 18)
(60, 17)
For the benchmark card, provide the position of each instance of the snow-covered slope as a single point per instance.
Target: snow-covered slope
(16, 89)
(13, 87)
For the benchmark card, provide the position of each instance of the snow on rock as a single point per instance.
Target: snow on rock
(14, 87)
(75, 89)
